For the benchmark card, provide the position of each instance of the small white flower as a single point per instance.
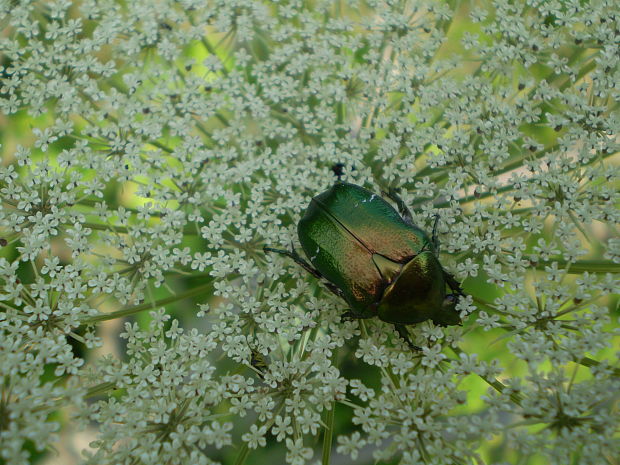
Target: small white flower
(350, 445)
(255, 437)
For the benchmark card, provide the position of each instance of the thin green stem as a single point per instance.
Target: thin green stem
(328, 431)
(148, 306)
(222, 118)
(509, 167)
(106, 227)
(99, 389)
(589, 362)
(212, 51)
(161, 146)
(243, 454)
(581, 266)
(123, 229)
(494, 383)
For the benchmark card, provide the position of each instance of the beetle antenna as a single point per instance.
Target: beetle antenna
(338, 170)
(434, 238)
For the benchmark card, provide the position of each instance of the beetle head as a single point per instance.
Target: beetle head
(448, 315)
(418, 293)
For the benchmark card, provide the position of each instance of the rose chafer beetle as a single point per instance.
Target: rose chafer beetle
(375, 258)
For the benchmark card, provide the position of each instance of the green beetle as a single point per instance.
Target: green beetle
(375, 258)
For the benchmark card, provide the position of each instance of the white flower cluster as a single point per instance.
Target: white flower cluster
(152, 148)
(170, 410)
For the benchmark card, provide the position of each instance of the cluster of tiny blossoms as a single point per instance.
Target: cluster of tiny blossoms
(168, 141)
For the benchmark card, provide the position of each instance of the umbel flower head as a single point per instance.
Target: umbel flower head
(151, 149)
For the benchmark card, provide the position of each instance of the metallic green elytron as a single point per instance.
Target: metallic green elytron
(376, 259)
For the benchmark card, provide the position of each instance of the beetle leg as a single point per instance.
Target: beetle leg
(306, 266)
(295, 256)
(402, 208)
(404, 334)
(434, 238)
(453, 283)
(333, 289)
(350, 315)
